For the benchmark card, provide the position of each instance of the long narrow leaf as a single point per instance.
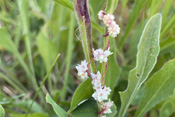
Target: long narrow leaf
(148, 50)
(58, 110)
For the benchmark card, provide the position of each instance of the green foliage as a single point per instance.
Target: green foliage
(84, 91)
(33, 32)
(2, 112)
(133, 16)
(89, 108)
(159, 87)
(48, 54)
(58, 110)
(6, 41)
(111, 6)
(30, 115)
(65, 3)
(167, 109)
(148, 50)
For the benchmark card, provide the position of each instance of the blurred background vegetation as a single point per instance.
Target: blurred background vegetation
(37, 30)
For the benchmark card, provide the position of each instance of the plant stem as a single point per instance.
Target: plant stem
(69, 57)
(83, 17)
(43, 81)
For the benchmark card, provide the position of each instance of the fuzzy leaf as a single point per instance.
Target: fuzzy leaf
(84, 91)
(148, 50)
(159, 87)
(2, 112)
(58, 110)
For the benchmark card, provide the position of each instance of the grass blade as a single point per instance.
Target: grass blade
(44, 80)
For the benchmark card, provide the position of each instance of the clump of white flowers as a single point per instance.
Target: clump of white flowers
(101, 92)
(113, 27)
(101, 56)
(82, 69)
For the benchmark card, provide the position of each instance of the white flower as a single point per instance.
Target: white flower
(103, 115)
(101, 56)
(101, 14)
(101, 93)
(114, 30)
(107, 90)
(82, 69)
(108, 19)
(107, 106)
(96, 80)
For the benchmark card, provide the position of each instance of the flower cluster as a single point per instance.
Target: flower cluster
(101, 91)
(101, 56)
(113, 27)
(82, 69)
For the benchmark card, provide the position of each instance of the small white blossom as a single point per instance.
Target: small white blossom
(82, 69)
(96, 80)
(103, 115)
(107, 106)
(102, 93)
(101, 14)
(114, 30)
(108, 20)
(101, 56)
(107, 90)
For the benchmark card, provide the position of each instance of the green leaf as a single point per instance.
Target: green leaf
(58, 110)
(65, 3)
(46, 47)
(89, 108)
(159, 87)
(111, 6)
(25, 104)
(2, 112)
(167, 109)
(5, 41)
(84, 91)
(148, 50)
(30, 115)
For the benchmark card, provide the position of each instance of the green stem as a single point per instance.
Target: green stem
(11, 82)
(83, 17)
(69, 57)
(43, 82)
